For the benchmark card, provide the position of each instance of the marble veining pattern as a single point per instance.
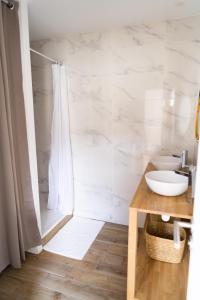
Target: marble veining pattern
(132, 94)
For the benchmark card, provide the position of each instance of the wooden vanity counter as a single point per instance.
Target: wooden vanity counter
(149, 202)
(146, 201)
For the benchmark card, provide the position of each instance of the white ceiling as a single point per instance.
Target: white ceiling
(49, 18)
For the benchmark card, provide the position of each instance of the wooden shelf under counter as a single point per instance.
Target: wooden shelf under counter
(146, 201)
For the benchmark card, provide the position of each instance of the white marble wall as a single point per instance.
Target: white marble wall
(132, 94)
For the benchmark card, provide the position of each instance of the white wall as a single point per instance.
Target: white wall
(132, 94)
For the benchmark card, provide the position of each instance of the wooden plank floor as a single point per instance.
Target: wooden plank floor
(100, 276)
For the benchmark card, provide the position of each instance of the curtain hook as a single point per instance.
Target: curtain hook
(10, 5)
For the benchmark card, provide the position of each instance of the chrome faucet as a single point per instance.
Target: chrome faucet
(184, 158)
(190, 172)
(187, 170)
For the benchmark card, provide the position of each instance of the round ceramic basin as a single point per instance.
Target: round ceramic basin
(167, 183)
(169, 163)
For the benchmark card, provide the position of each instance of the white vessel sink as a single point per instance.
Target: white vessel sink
(166, 183)
(166, 163)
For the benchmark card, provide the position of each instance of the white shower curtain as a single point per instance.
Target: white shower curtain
(60, 165)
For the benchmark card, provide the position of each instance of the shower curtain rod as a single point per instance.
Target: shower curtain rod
(49, 58)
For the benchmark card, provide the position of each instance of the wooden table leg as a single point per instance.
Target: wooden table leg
(132, 253)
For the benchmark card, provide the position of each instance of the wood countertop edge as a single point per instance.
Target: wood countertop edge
(156, 212)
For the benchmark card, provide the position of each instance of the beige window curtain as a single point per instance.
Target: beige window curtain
(18, 225)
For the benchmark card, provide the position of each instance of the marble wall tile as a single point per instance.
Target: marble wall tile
(181, 84)
(132, 94)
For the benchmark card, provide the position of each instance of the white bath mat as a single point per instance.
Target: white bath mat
(75, 238)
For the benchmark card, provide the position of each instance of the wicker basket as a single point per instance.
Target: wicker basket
(160, 243)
